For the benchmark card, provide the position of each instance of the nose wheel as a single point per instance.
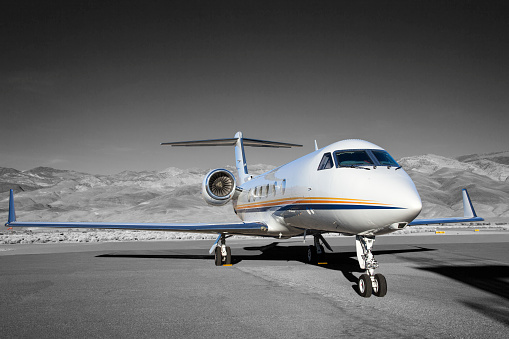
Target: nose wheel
(380, 288)
(369, 282)
(365, 286)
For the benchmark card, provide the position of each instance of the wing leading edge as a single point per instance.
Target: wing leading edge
(469, 214)
(252, 228)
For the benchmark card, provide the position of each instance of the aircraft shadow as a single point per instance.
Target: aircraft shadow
(492, 279)
(345, 262)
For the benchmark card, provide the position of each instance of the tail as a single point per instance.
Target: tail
(239, 142)
(240, 159)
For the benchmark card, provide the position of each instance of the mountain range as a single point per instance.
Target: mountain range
(173, 195)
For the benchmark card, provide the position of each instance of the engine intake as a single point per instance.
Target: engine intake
(218, 187)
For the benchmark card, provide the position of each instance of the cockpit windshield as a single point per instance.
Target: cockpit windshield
(384, 158)
(353, 158)
(363, 158)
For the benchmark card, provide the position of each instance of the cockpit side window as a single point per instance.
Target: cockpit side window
(353, 158)
(326, 162)
(384, 158)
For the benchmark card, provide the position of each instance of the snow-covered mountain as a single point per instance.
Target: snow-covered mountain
(173, 194)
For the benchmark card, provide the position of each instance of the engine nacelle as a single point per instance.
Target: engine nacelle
(218, 187)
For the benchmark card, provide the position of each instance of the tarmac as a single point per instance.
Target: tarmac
(439, 285)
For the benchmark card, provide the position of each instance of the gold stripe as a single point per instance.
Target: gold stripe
(307, 199)
(303, 200)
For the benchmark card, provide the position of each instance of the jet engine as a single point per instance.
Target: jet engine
(218, 187)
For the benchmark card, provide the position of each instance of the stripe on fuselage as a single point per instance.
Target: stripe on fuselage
(317, 203)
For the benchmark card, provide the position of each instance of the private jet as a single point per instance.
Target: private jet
(351, 187)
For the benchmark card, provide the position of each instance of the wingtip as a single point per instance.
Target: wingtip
(468, 208)
(12, 212)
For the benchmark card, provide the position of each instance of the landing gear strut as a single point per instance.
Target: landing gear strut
(222, 253)
(369, 282)
(316, 252)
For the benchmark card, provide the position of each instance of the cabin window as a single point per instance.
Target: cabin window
(353, 158)
(274, 189)
(384, 158)
(283, 186)
(326, 162)
(267, 190)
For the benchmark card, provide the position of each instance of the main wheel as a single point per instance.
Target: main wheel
(312, 254)
(228, 255)
(218, 259)
(365, 286)
(321, 257)
(381, 290)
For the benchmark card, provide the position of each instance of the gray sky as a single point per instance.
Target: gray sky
(95, 86)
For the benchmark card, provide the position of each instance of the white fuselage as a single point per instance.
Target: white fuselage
(362, 199)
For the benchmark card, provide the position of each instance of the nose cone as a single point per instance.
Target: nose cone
(411, 206)
(404, 195)
(398, 190)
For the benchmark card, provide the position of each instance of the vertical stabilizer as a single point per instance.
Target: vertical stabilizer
(240, 158)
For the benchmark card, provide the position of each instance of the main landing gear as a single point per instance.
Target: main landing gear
(369, 282)
(222, 253)
(316, 252)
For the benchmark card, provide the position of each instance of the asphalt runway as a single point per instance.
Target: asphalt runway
(439, 286)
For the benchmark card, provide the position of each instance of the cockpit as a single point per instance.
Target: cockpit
(368, 158)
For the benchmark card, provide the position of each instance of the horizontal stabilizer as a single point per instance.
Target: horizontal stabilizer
(232, 142)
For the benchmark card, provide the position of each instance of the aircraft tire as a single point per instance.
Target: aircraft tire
(312, 255)
(321, 257)
(228, 256)
(381, 291)
(217, 256)
(365, 286)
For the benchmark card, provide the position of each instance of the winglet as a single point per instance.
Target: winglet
(468, 208)
(12, 212)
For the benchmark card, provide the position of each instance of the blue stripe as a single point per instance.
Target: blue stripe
(300, 207)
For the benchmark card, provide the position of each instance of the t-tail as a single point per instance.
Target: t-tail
(239, 142)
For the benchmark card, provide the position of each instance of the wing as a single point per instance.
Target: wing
(469, 214)
(243, 228)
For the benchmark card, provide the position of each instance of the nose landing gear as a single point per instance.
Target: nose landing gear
(369, 282)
